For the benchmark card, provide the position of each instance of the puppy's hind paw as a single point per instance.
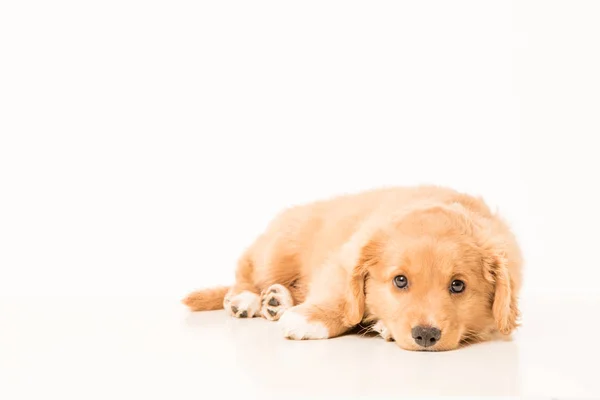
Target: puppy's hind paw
(242, 305)
(275, 300)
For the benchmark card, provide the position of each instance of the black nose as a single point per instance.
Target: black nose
(426, 336)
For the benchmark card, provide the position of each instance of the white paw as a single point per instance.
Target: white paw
(383, 331)
(242, 305)
(274, 301)
(296, 326)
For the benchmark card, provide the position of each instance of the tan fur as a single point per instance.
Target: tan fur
(338, 258)
(205, 300)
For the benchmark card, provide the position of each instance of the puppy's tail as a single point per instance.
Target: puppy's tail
(206, 299)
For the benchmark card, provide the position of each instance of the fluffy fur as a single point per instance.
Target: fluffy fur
(332, 264)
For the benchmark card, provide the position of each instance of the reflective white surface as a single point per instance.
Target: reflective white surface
(152, 348)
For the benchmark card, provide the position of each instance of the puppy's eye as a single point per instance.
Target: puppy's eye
(457, 286)
(401, 282)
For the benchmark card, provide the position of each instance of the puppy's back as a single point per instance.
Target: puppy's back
(302, 237)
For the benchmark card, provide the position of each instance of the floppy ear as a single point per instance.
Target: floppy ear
(360, 253)
(504, 307)
(354, 309)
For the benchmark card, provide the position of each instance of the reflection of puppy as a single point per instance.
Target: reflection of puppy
(430, 267)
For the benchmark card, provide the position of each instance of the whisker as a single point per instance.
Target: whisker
(364, 330)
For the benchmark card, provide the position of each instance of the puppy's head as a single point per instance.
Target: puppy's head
(437, 280)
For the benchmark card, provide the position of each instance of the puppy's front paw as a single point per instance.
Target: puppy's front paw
(242, 305)
(383, 331)
(297, 326)
(275, 301)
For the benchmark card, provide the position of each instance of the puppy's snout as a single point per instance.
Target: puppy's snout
(426, 336)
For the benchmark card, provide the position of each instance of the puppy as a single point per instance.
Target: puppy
(427, 267)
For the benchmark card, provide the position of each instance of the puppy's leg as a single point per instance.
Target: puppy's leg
(275, 300)
(335, 302)
(243, 300)
(326, 313)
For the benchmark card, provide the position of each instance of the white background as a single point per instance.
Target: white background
(144, 144)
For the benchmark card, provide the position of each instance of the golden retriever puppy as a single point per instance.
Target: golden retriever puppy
(427, 266)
